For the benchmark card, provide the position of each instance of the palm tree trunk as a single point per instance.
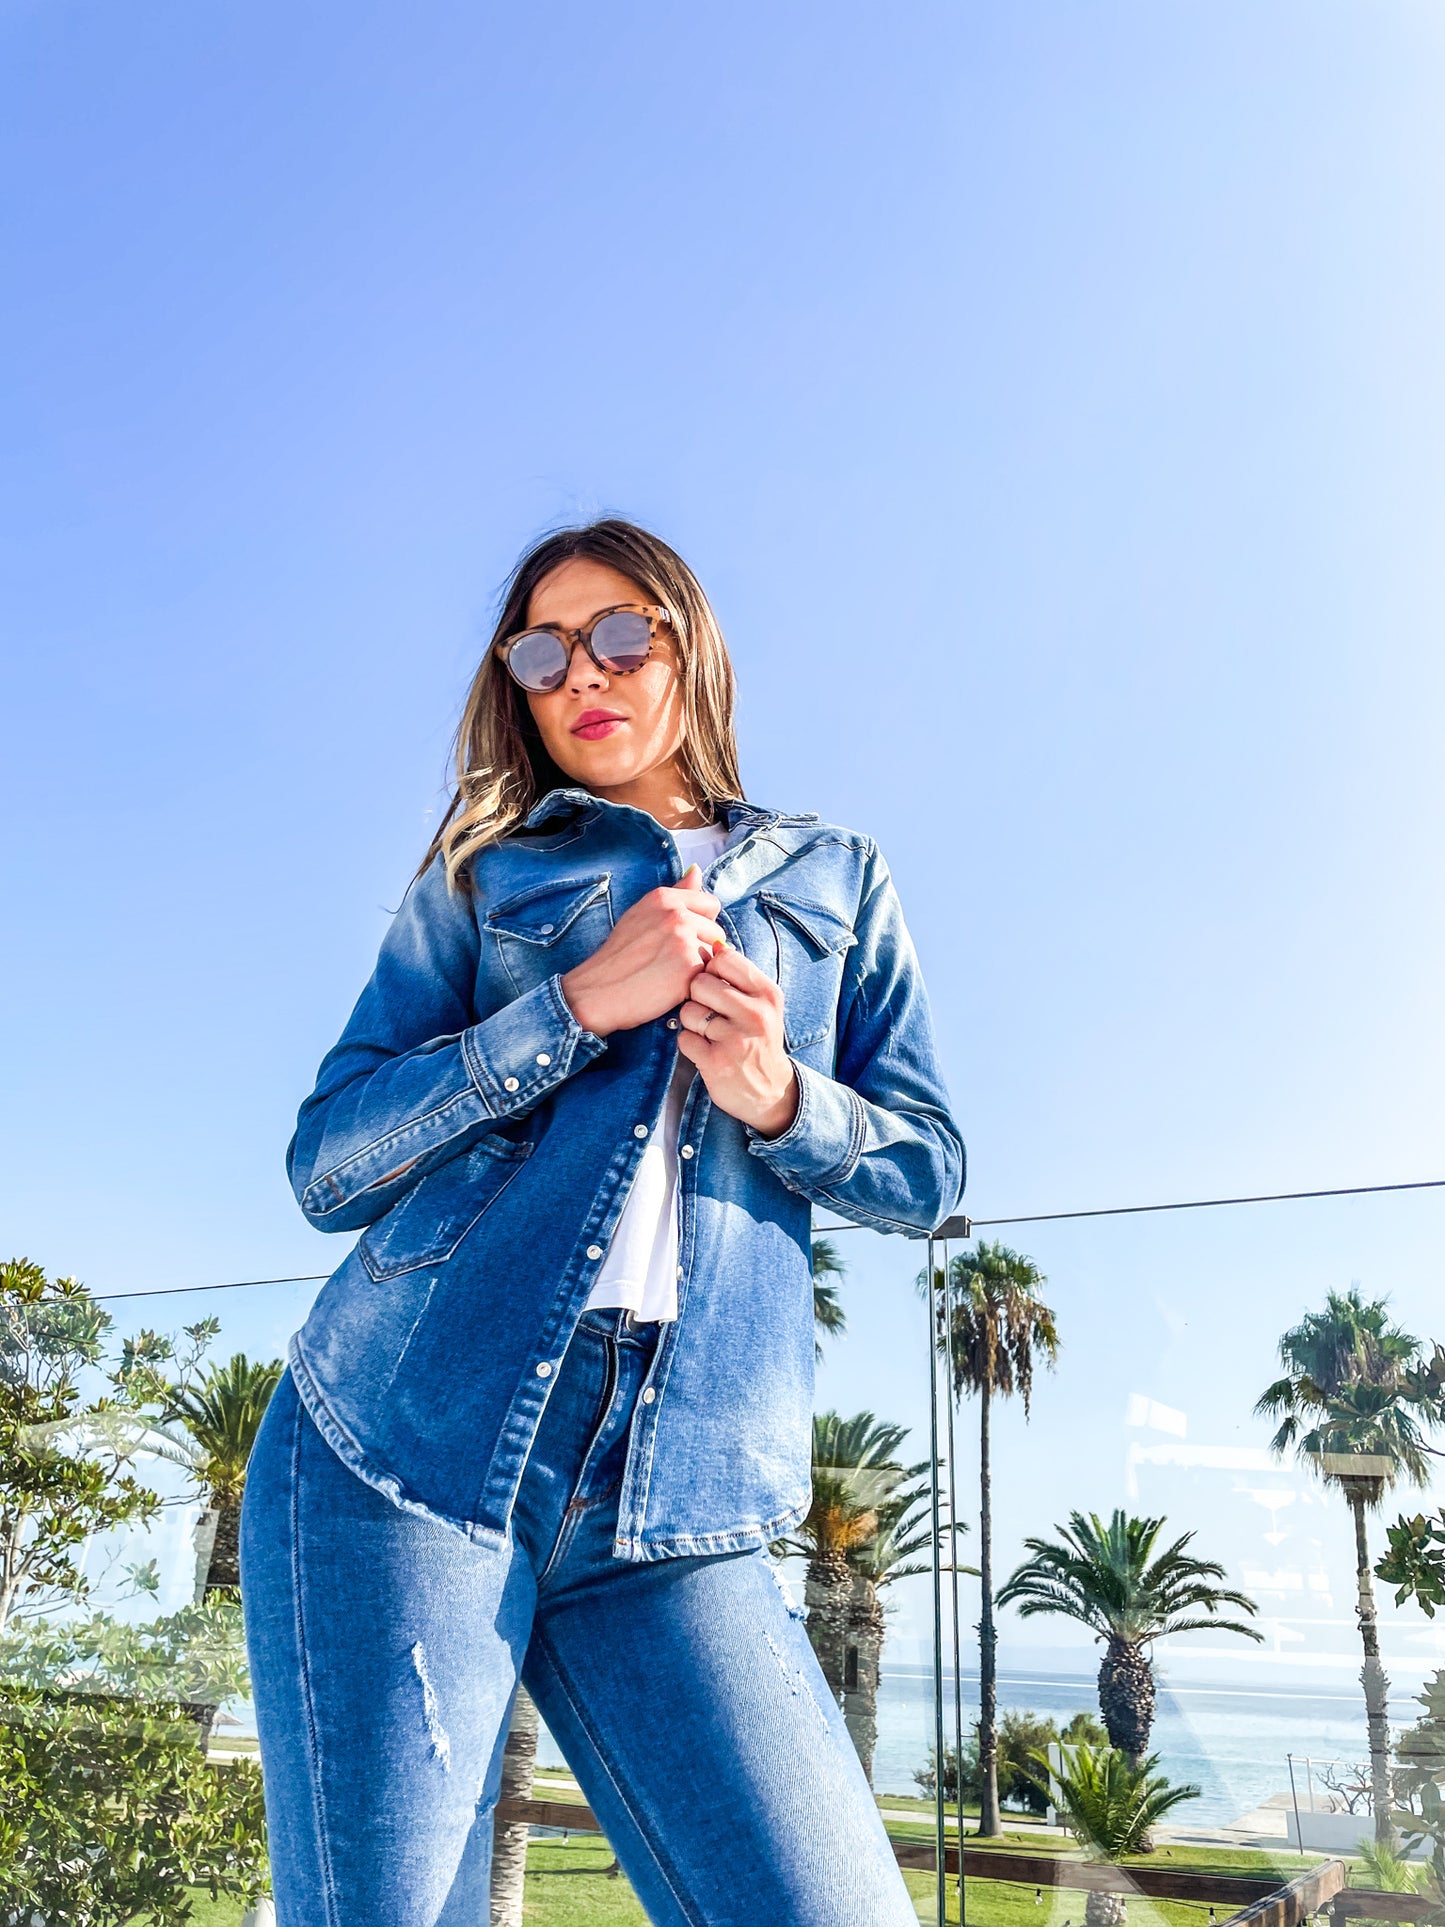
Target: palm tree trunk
(1126, 1698)
(988, 1822)
(1105, 1910)
(509, 1843)
(828, 1596)
(205, 1539)
(860, 1677)
(224, 1572)
(1372, 1674)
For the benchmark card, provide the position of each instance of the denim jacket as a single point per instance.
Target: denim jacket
(485, 1143)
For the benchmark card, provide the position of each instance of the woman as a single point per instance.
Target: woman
(624, 1032)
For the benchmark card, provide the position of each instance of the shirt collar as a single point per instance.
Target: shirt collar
(571, 802)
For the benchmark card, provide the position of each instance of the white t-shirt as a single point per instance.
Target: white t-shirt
(640, 1269)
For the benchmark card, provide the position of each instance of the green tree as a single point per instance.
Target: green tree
(109, 1812)
(1111, 1805)
(221, 1415)
(863, 1529)
(1001, 1326)
(1419, 1781)
(1354, 1406)
(1021, 1737)
(1111, 1579)
(52, 1502)
(829, 1317)
(1414, 1563)
(198, 1653)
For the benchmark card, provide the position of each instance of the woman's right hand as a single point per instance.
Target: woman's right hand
(648, 961)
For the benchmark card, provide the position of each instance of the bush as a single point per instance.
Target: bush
(1021, 1735)
(108, 1809)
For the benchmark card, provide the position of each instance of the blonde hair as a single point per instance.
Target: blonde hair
(502, 768)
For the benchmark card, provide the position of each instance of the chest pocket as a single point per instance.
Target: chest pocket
(431, 1221)
(811, 945)
(544, 931)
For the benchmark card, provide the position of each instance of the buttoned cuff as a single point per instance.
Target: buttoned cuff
(521, 1053)
(822, 1145)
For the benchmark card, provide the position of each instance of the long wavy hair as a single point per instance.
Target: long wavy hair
(502, 768)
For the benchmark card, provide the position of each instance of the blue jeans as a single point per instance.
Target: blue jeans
(385, 1652)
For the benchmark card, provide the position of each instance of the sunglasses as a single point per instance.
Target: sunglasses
(618, 640)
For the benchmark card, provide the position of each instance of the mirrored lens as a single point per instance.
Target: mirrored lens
(622, 642)
(538, 660)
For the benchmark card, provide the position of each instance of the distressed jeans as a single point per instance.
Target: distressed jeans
(385, 1652)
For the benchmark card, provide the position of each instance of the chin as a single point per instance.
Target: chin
(597, 772)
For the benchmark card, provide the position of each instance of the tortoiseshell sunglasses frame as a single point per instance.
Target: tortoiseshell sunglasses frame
(653, 612)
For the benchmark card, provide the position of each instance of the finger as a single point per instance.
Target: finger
(734, 968)
(701, 901)
(695, 1048)
(715, 995)
(696, 1017)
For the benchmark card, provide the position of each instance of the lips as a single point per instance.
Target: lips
(595, 724)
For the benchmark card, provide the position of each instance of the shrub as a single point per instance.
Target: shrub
(109, 1809)
(1021, 1735)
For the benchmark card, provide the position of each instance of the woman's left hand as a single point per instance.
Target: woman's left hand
(732, 1029)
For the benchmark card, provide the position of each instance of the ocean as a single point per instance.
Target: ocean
(1232, 1741)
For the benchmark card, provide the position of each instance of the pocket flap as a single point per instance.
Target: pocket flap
(429, 1223)
(825, 930)
(545, 912)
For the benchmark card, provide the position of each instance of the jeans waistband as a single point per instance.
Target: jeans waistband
(618, 1324)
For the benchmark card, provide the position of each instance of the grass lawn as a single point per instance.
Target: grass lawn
(1000, 1903)
(568, 1887)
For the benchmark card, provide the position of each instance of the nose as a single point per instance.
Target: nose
(582, 673)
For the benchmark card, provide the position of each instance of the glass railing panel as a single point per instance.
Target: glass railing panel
(124, 1689)
(1171, 1329)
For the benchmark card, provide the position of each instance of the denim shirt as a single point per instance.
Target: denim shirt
(486, 1143)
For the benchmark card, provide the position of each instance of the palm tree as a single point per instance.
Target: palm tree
(1354, 1404)
(221, 1414)
(1111, 1580)
(1000, 1326)
(1111, 1806)
(829, 1316)
(864, 1526)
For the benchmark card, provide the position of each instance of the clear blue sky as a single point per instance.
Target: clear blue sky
(1051, 397)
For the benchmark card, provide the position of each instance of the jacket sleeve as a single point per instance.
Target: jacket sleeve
(419, 1075)
(877, 1142)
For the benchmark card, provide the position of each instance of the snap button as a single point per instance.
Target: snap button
(548, 928)
(639, 1130)
(594, 1252)
(510, 1084)
(544, 1370)
(543, 1059)
(648, 1395)
(679, 1271)
(686, 1151)
(672, 1023)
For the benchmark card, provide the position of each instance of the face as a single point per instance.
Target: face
(608, 733)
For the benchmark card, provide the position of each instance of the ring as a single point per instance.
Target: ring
(707, 1021)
